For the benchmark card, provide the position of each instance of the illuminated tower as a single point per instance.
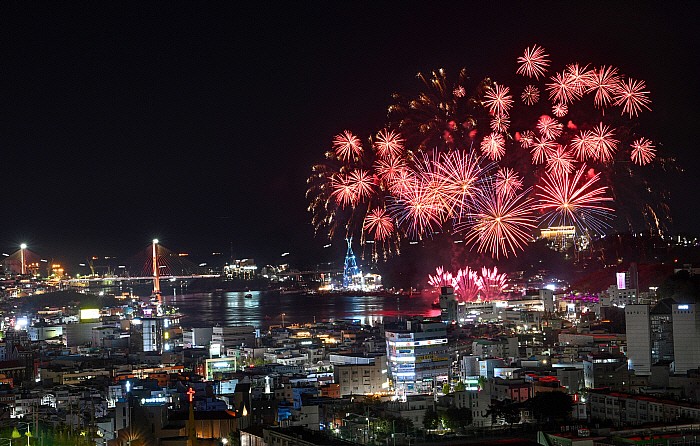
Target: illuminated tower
(156, 273)
(22, 248)
(351, 268)
(191, 426)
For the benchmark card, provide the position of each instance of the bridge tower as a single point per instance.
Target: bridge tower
(351, 267)
(156, 274)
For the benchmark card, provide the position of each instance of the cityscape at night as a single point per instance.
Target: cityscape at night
(349, 224)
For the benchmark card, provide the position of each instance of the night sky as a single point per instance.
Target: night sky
(198, 124)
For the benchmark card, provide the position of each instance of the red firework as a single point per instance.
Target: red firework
(363, 184)
(500, 123)
(347, 146)
(560, 162)
(605, 82)
(501, 225)
(507, 183)
(389, 169)
(498, 100)
(549, 127)
(643, 151)
(466, 284)
(343, 190)
(493, 146)
(579, 77)
(441, 278)
(417, 210)
(560, 110)
(530, 95)
(388, 144)
(379, 224)
(605, 144)
(584, 145)
(534, 62)
(573, 200)
(563, 88)
(541, 148)
(491, 284)
(527, 138)
(632, 96)
(458, 173)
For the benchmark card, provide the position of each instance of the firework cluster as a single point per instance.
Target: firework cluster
(491, 163)
(470, 285)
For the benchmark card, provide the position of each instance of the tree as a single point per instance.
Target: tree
(460, 387)
(430, 421)
(551, 406)
(506, 410)
(457, 419)
(446, 388)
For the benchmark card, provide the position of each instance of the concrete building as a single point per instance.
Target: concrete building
(235, 336)
(418, 356)
(686, 333)
(602, 370)
(638, 323)
(197, 337)
(478, 402)
(147, 334)
(362, 379)
(630, 409)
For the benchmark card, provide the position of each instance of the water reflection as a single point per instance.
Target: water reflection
(262, 309)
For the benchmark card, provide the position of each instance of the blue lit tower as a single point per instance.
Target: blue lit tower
(350, 265)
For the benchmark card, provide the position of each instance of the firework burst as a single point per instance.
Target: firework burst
(574, 200)
(560, 162)
(501, 225)
(534, 62)
(466, 284)
(441, 278)
(379, 224)
(643, 151)
(388, 144)
(347, 146)
(493, 146)
(530, 95)
(507, 183)
(632, 96)
(491, 284)
(498, 100)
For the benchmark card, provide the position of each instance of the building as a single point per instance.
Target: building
(638, 323)
(418, 356)
(197, 337)
(148, 334)
(362, 379)
(686, 332)
(624, 409)
(605, 370)
(235, 336)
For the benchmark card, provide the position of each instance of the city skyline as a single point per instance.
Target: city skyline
(198, 126)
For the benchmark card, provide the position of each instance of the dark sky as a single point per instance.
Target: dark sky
(197, 123)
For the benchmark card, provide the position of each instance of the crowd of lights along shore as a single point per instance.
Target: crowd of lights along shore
(491, 163)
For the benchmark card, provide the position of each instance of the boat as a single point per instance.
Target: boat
(248, 296)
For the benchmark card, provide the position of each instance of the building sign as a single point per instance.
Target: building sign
(621, 281)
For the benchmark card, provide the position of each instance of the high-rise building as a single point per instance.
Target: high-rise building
(686, 333)
(150, 334)
(638, 325)
(448, 304)
(417, 355)
(649, 335)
